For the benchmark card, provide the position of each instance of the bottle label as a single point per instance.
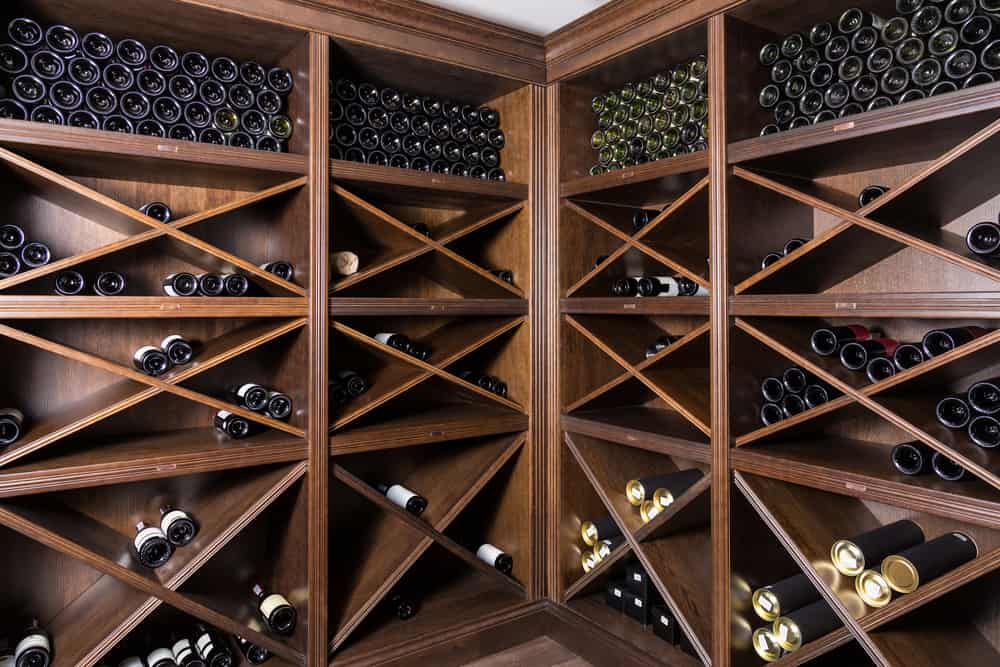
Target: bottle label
(384, 337)
(182, 649)
(618, 592)
(36, 640)
(223, 415)
(170, 517)
(664, 620)
(488, 554)
(764, 603)
(131, 662)
(399, 495)
(12, 413)
(637, 602)
(159, 655)
(637, 577)
(244, 389)
(272, 602)
(146, 534)
(205, 645)
(143, 351)
(170, 340)
(169, 290)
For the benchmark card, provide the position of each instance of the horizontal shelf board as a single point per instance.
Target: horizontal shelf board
(974, 305)
(343, 171)
(128, 307)
(40, 138)
(688, 305)
(681, 164)
(644, 428)
(152, 456)
(433, 425)
(855, 474)
(345, 307)
(824, 148)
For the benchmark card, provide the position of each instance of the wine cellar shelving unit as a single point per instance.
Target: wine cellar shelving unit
(293, 507)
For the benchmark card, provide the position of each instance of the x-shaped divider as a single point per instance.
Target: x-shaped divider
(426, 244)
(116, 212)
(636, 371)
(948, 248)
(432, 533)
(635, 241)
(123, 395)
(101, 551)
(423, 370)
(873, 618)
(779, 341)
(634, 544)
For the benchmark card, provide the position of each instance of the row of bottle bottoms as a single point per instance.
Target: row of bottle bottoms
(650, 496)
(420, 351)
(637, 598)
(885, 563)
(656, 286)
(415, 504)
(202, 646)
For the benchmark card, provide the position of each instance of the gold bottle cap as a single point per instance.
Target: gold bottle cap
(786, 632)
(588, 560)
(766, 604)
(900, 574)
(648, 510)
(588, 531)
(873, 589)
(635, 492)
(847, 558)
(663, 498)
(766, 645)
(602, 549)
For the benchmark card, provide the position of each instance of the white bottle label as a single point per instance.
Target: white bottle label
(399, 495)
(384, 337)
(618, 592)
(637, 577)
(182, 649)
(169, 290)
(223, 414)
(701, 291)
(13, 413)
(143, 351)
(664, 621)
(272, 602)
(668, 286)
(146, 534)
(169, 340)
(637, 602)
(488, 554)
(33, 641)
(204, 644)
(170, 517)
(131, 662)
(159, 655)
(245, 389)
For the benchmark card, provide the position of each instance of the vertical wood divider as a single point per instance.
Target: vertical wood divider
(548, 281)
(719, 341)
(319, 440)
(541, 354)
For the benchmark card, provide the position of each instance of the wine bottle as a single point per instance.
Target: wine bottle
(255, 655)
(234, 426)
(984, 396)
(69, 283)
(662, 489)
(769, 259)
(280, 268)
(344, 263)
(401, 496)
(852, 556)
(953, 412)
(907, 355)
(784, 597)
(945, 468)
(771, 413)
(401, 604)
(279, 405)
(792, 245)
(880, 368)
(856, 355)
(661, 343)
(179, 526)
(983, 239)
(984, 430)
(235, 284)
(815, 394)
(395, 340)
(604, 528)
(625, 287)
(792, 404)
(151, 545)
(278, 613)
(180, 284)
(11, 237)
(161, 657)
(495, 557)
(803, 625)
(211, 284)
(157, 210)
(353, 383)
(870, 194)
(33, 647)
(250, 396)
(184, 652)
(178, 349)
(132, 661)
(505, 275)
(912, 458)
(11, 422)
(35, 254)
(906, 570)
(109, 283)
(828, 341)
(151, 360)
(795, 380)
(939, 341)
(10, 264)
(214, 653)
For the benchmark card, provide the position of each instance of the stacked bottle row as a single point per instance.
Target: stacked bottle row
(387, 127)
(199, 646)
(55, 75)
(861, 61)
(791, 393)
(654, 119)
(884, 563)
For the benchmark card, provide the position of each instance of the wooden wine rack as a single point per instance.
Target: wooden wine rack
(292, 507)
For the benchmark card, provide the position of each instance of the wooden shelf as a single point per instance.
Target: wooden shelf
(653, 179)
(393, 179)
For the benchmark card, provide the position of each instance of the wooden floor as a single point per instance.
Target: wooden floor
(540, 652)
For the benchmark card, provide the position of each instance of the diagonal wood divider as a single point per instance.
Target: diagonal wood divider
(480, 479)
(634, 241)
(107, 209)
(100, 547)
(128, 393)
(867, 395)
(433, 244)
(699, 643)
(636, 371)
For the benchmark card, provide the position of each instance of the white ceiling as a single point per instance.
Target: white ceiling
(539, 17)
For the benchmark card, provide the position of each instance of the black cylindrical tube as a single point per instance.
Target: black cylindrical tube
(852, 556)
(806, 624)
(920, 564)
(604, 528)
(784, 597)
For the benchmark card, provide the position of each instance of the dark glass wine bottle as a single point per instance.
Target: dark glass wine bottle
(277, 612)
(151, 545)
